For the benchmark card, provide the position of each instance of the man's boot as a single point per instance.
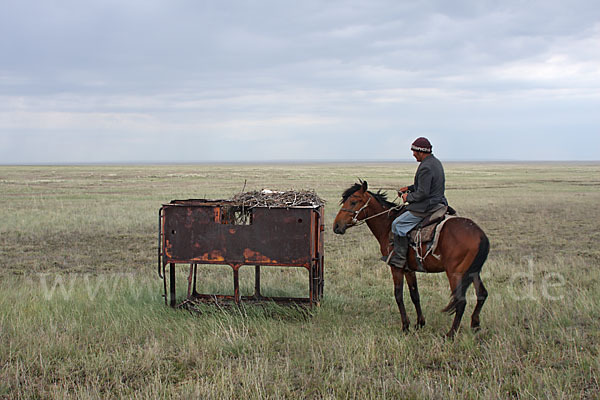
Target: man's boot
(397, 258)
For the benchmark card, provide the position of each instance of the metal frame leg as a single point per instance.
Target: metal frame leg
(257, 282)
(236, 283)
(190, 277)
(194, 292)
(172, 284)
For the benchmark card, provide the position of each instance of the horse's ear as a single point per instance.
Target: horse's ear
(364, 186)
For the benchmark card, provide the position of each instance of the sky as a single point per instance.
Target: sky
(276, 80)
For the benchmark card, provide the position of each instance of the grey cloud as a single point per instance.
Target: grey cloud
(124, 71)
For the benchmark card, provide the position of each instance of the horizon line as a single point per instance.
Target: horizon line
(271, 162)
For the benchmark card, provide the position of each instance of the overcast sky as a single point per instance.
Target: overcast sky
(201, 81)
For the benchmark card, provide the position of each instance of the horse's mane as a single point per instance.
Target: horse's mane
(380, 196)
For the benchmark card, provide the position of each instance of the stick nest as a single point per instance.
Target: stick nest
(271, 198)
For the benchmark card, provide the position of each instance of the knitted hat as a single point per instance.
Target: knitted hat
(422, 145)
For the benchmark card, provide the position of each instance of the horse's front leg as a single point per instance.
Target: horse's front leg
(411, 281)
(398, 277)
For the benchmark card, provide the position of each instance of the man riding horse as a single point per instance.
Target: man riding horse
(424, 197)
(462, 246)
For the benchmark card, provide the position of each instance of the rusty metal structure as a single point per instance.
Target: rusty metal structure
(224, 233)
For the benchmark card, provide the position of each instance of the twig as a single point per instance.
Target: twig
(268, 198)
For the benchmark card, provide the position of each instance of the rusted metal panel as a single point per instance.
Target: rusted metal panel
(219, 232)
(276, 236)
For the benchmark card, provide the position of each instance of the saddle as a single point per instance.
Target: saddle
(427, 232)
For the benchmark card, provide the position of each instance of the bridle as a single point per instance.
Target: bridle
(355, 213)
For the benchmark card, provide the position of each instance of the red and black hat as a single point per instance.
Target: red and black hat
(422, 145)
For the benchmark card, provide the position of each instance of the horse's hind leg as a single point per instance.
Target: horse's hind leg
(411, 281)
(482, 294)
(398, 277)
(460, 303)
(460, 309)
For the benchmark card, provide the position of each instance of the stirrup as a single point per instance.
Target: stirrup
(386, 259)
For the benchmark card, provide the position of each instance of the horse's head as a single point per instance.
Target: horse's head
(354, 202)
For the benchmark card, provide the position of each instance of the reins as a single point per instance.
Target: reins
(356, 222)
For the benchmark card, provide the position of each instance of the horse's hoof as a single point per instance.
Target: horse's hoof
(475, 328)
(450, 335)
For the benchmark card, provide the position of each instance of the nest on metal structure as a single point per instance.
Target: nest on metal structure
(271, 198)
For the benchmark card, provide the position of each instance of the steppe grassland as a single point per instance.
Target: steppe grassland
(81, 314)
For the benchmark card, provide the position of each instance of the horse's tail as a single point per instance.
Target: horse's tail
(458, 295)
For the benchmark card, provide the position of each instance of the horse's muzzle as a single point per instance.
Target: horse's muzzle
(339, 228)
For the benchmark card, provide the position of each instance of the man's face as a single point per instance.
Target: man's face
(419, 156)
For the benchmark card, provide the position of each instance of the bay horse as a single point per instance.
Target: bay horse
(462, 249)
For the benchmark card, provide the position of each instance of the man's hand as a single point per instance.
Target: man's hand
(404, 196)
(402, 193)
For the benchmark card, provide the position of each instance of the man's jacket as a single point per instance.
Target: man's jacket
(427, 193)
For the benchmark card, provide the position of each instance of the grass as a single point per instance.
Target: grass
(81, 315)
